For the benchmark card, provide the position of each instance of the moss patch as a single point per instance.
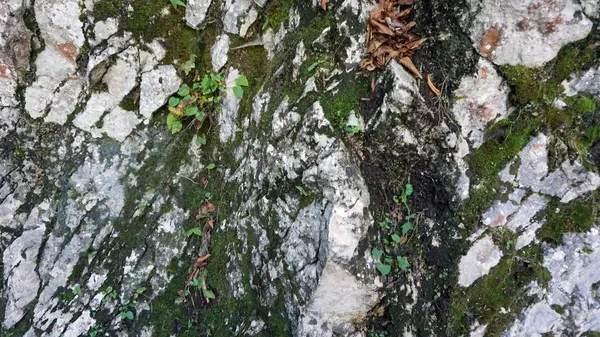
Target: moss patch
(576, 216)
(151, 19)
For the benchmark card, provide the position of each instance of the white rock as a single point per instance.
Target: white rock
(480, 258)
(195, 12)
(482, 99)
(298, 59)
(104, 29)
(156, 87)
(575, 268)
(527, 32)
(230, 106)
(219, 51)
(119, 123)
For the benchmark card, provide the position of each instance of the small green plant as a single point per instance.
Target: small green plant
(109, 293)
(76, 290)
(189, 65)
(194, 231)
(127, 308)
(374, 333)
(198, 102)
(97, 329)
(199, 284)
(177, 3)
(384, 257)
(353, 129)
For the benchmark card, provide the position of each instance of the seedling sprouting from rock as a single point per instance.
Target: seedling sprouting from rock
(201, 100)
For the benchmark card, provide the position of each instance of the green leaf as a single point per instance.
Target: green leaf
(238, 91)
(201, 140)
(191, 111)
(176, 127)
(396, 238)
(187, 98)
(266, 24)
(402, 262)
(207, 194)
(384, 269)
(353, 128)
(174, 101)
(176, 3)
(396, 199)
(129, 315)
(200, 116)
(208, 294)
(406, 227)
(205, 82)
(300, 188)
(195, 230)
(171, 118)
(123, 314)
(109, 289)
(377, 253)
(196, 86)
(409, 189)
(388, 259)
(218, 99)
(314, 65)
(410, 216)
(183, 90)
(188, 65)
(140, 290)
(241, 80)
(77, 289)
(211, 166)
(186, 292)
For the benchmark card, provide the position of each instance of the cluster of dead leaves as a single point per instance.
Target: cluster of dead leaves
(389, 37)
(196, 292)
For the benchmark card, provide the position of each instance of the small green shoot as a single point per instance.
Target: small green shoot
(189, 65)
(353, 129)
(76, 290)
(194, 231)
(177, 3)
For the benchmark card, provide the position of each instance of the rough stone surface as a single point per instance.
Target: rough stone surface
(219, 51)
(482, 99)
(525, 32)
(309, 165)
(575, 274)
(195, 12)
(156, 87)
(482, 256)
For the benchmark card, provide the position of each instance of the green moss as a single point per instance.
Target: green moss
(338, 106)
(146, 22)
(572, 58)
(576, 216)
(504, 287)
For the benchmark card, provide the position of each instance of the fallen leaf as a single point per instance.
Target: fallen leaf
(432, 87)
(324, 4)
(490, 40)
(175, 111)
(408, 64)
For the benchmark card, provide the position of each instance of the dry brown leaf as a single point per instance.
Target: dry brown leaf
(408, 64)
(324, 4)
(176, 111)
(432, 87)
(489, 41)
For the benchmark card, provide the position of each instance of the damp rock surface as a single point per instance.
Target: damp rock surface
(319, 199)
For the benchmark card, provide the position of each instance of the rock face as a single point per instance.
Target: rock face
(345, 203)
